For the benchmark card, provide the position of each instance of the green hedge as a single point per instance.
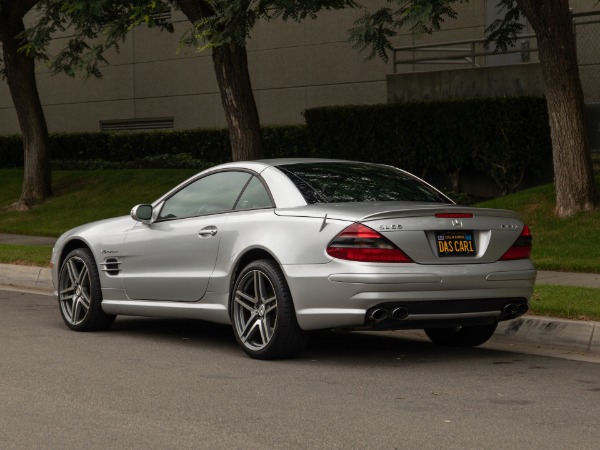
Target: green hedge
(503, 138)
(211, 145)
(500, 137)
(11, 151)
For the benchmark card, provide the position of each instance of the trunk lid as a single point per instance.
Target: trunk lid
(480, 235)
(449, 235)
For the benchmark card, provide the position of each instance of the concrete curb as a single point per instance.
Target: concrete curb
(573, 335)
(30, 277)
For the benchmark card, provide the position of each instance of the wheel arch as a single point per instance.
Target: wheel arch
(264, 320)
(246, 258)
(69, 247)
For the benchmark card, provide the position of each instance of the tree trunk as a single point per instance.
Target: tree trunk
(573, 174)
(20, 76)
(231, 68)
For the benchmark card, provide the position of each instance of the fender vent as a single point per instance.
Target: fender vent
(111, 266)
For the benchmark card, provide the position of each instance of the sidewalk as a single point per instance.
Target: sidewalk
(591, 280)
(18, 239)
(571, 335)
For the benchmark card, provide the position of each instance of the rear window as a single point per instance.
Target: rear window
(327, 182)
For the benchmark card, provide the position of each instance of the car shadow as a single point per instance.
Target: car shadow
(169, 329)
(330, 347)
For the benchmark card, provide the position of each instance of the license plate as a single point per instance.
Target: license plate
(455, 243)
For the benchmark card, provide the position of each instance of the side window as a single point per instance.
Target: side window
(209, 195)
(254, 196)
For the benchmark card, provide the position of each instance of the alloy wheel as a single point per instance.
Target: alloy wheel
(74, 290)
(255, 310)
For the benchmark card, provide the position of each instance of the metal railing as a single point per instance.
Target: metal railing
(467, 52)
(577, 16)
(473, 52)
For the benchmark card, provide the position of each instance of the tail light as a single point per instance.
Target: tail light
(361, 243)
(521, 249)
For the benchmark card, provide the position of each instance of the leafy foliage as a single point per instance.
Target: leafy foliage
(232, 20)
(96, 26)
(375, 30)
(503, 32)
(93, 26)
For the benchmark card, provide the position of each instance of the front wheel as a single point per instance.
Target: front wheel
(79, 293)
(264, 320)
(462, 336)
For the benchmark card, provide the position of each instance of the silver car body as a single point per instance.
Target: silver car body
(186, 268)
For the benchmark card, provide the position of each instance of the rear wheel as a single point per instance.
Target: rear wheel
(264, 320)
(462, 336)
(79, 293)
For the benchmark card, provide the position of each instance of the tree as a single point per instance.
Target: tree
(551, 20)
(573, 173)
(222, 26)
(19, 71)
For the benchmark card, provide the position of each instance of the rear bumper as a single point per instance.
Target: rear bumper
(446, 313)
(343, 294)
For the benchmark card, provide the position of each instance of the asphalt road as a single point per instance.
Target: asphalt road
(151, 383)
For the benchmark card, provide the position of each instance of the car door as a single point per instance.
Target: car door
(172, 258)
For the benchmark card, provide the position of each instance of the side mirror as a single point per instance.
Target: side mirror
(142, 213)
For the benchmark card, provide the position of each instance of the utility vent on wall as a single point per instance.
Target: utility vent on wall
(146, 124)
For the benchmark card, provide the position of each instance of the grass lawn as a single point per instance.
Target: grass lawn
(571, 244)
(82, 196)
(567, 302)
(27, 255)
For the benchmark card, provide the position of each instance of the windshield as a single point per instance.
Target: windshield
(340, 182)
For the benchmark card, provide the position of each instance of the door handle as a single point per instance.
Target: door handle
(207, 231)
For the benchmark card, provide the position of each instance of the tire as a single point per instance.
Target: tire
(263, 316)
(79, 293)
(464, 336)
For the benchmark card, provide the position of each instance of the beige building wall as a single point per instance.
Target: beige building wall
(293, 66)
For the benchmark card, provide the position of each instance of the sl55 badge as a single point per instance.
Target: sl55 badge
(390, 227)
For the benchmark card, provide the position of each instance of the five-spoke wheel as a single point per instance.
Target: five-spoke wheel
(263, 314)
(79, 293)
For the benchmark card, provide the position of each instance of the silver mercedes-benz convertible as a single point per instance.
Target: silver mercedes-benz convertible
(278, 248)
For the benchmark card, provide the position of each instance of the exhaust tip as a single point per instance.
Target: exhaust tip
(379, 314)
(400, 313)
(516, 309)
